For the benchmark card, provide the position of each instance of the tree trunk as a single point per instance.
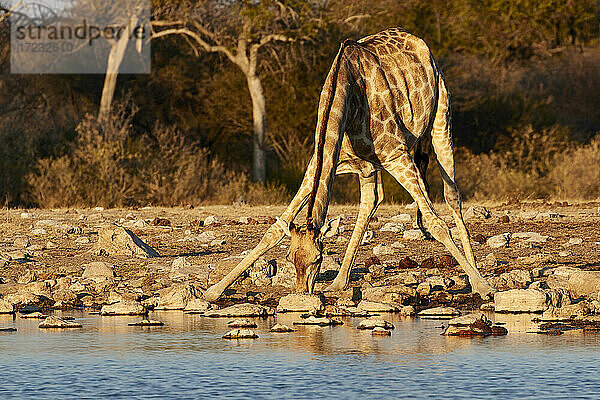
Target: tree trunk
(260, 126)
(115, 57)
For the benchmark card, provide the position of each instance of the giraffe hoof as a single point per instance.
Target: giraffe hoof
(335, 287)
(212, 294)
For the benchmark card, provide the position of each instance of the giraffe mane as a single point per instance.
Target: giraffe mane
(323, 129)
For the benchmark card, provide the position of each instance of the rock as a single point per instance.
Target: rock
(197, 306)
(504, 219)
(56, 322)
(262, 272)
(66, 297)
(241, 323)
(403, 218)
(27, 277)
(379, 331)
(240, 334)
(147, 322)
(584, 283)
(575, 241)
(479, 238)
(34, 315)
(566, 312)
(398, 245)
(6, 307)
(439, 282)
(532, 237)
(210, 220)
(371, 323)
(368, 237)
(296, 302)
(280, 328)
(23, 298)
(413, 234)
(424, 288)
(240, 310)
(176, 297)
(439, 312)
(82, 240)
(115, 241)
(21, 242)
(487, 307)
(468, 319)
(521, 301)
(383, 250)
(372, 306)
(321, 321)
(411, 206)
(77, 287)
(470, 325)
(392, 227)
(407, 263)
(207, 237)
(124, 307)
(38, 231)
(407, 311)
(98, 270)
(498, 241)
(477, 212)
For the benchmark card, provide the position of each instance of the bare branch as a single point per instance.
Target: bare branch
(205, 45)
(272, 38)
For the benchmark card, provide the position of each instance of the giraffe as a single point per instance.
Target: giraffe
(383, 94)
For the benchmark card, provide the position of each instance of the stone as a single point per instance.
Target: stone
(207, 237)
(575, 241)
(27, 277)
(98, 270)
(175, 297)
(116, 241)
(383, 250)
(82, 240)
(211, 219)
(498, 241)
(471, 325)
(34, 315)
(280, 328)
(566, 312)
(521, 301)
(124, 307)
(23, 298)
(21, 242)
(584, 283)
(402, 218)
(77, 287)
(407, 311)
(437, 312)
(320, 321)
(241, 323)
(424, 288)
(297, 302)
(6, 307)
(38, 231)
(379, 331)
(240, 334)
(147, 322)
(392, 227)
(199, 306)
(262, 272)
(56, 322)
(532, 237)
(371, 323)
(413, 234)
(368, 237)
(398, 245)
(372, 306)
(240, 310)
(66, 297)
(477, 212)
(468, 319)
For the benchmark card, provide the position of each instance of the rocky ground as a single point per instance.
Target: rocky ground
(85, 257)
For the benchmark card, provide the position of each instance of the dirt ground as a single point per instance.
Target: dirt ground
(55, 243)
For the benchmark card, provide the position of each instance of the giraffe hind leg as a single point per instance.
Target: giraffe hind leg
(421, 159)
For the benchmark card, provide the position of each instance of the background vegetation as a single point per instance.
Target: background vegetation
(524, 77)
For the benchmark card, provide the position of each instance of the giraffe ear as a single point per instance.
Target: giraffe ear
(331, 227)
(284, 226)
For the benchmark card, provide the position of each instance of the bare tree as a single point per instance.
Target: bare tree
(239, 29)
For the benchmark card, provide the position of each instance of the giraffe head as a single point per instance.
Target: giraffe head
(306, 251)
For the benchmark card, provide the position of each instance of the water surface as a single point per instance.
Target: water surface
(188, 359)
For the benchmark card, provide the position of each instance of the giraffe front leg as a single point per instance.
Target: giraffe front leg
(371, 196)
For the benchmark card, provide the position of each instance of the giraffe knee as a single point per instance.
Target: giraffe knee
(452, 196)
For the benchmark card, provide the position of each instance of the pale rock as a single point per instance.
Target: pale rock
(402, 218)
(411, 206)
(241, 310)
(98, 209)
(521, 300)
(27, 277)
(38, 231)
(413, 234)
(388, 294)
(438, 282)
(280, 328)
(566, 312)
(398, 245)
(240, 334)
(584, 283)
(23, 298)
(82, 240)
(199, 306)
(490, 260)
(218, 242)
(26, 215)
(262, 272)
(564, 253)
(498, 241)
(140, 223)
(368, 237)
(66, 297)
(371, 323)
(379, 331)
(125, 307)
(21, 242)
(51, 245)
(424, 288)
(575, 241)
(175, 297)
(407, 311)
(116, 241)
(547, 215)
(56, 322)
(528, 215)
(532, 237)
(98, 270)
(297, 302)
(34, 315)
(439, 312)
(77, 287)
(372, 306)
(210, 220)
(207, 236)
(241, 323)
(6, 307)
(392, 227)
(383, 250)
(469, 319)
